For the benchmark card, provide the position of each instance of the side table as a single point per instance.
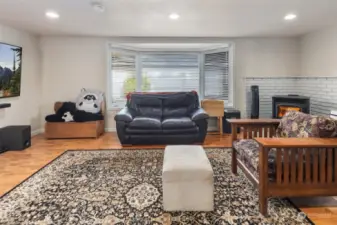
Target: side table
(214, 108)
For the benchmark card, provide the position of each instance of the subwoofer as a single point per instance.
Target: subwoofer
(255, 105)
(15, 138)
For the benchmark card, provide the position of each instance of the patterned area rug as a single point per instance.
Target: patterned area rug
(124, 187)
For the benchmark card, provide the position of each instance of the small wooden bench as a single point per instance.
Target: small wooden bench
(58, 130)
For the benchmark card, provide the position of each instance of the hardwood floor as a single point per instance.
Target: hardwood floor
(17, 166)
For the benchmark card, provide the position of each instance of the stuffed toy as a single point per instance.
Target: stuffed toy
(89, 101)
(67, 117)
(58, 116)
(87, 108)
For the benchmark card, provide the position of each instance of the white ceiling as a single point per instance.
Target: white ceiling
(198, 18)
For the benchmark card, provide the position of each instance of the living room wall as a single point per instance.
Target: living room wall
(317, 80)
(25, 109)
(71, 63)
(319, 53)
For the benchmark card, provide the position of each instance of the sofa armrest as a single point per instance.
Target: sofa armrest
(124, 115)
(199, 114)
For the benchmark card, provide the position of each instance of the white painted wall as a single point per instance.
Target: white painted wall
(25, 110)
(263, 57)
(319, 53)
(71, 63)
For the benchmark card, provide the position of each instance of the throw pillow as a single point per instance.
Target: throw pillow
(300, 125)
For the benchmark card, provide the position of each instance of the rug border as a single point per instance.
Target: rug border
(78, 150)
(7, 192)
(299, 210)
(66, 151)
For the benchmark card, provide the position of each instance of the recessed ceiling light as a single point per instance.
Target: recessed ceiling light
(52, 15)
(290, 16)
(98, 6)
(174, 16)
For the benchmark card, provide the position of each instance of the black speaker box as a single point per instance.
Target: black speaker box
(255, 106)
(15, 138)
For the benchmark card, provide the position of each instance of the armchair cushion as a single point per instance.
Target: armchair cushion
(248, 149)
(124, 115)
(177, 122)
(141, 122)
(248, 153)
(199, 114)
(300, 125)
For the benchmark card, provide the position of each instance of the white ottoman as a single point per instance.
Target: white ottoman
(187, 179)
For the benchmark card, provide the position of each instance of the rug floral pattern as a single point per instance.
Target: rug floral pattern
(124, 187)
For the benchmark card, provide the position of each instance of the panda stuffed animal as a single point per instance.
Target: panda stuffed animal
(89, 101)
(67, 117)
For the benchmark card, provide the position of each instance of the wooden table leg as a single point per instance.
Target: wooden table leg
(221, 126)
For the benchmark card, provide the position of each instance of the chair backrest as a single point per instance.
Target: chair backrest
(301, 125)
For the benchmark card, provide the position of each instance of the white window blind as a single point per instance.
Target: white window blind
(207, 72)
(216, 75)
(123, 76)
(170, 72)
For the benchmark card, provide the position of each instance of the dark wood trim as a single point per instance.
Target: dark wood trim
(234, 162)
(263, 182)
(248, 174)
(254, 121)
(298, 142)
(301, 190)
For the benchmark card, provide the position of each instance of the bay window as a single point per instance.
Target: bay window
(207, 72)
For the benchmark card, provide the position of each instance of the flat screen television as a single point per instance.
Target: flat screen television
(10, 70)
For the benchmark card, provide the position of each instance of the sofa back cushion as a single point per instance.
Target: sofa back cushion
(145, 105)
(180, 104)
(163, 104)
(301, 125)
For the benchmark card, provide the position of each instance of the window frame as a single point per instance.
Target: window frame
(230, 102)
(201, 56)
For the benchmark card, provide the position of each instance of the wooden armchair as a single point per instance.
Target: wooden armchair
(284, 167)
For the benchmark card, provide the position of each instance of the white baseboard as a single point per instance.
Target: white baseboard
(37, 131)
(110, 129)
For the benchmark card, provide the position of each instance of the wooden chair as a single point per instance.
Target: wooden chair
(304, 166)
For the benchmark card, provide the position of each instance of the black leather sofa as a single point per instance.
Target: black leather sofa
(169, 118)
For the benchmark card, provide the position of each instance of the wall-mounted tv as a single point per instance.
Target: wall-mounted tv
(10, 70)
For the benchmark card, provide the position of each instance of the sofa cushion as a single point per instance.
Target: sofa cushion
(190, 130)
(177, 122)
(141, 122)
(180, 104)
(297, 124)
(175, 111)
(130, 130)
(248, 149)
(145, 105)
(150, 111)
